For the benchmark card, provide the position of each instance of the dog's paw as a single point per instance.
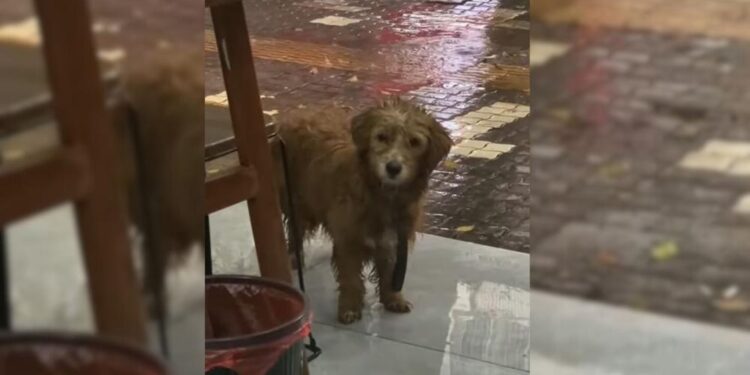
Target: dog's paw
(398, 305)
(349, 316)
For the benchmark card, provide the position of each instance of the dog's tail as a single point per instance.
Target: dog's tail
(164, 96)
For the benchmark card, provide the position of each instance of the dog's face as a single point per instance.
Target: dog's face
(399, 141)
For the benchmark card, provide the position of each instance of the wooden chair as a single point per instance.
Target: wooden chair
(253, 179)
(83, 169)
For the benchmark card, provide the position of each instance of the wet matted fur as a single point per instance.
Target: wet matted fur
(162, 157)
(360, 179)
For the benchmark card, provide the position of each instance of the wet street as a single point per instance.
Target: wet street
(467, 63)
(641, 155)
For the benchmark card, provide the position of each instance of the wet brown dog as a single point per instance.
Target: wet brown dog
(360, 180)
(162, 155)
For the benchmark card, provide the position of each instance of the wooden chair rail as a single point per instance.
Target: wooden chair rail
(230, 187)
(47, 179)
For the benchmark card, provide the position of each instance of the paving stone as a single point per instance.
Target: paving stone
(463, 151)
(472, 144)
(740, 167)
(484, 154)
(730, 148)
(708, 161)
(543, 51)
(503, 119)
(503, 105)
(498, 147)
(743, 205)
(546, 151)
(478, 115)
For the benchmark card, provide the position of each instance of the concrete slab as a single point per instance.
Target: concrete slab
(471, 303)
(576, 337)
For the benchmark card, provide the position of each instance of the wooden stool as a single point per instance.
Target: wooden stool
(82, 169)
(253, 179)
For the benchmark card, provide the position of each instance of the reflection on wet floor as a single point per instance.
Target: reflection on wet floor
(471, 307)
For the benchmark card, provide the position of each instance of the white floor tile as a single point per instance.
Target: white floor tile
(347, 352)
(469, 300)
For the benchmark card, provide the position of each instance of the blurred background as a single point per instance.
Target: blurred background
(640, 139)
(47, 282)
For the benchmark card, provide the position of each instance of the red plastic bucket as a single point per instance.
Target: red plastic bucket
(63, 354)
(254, 326)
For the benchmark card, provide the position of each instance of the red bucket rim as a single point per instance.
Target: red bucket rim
(263, 337)
(97, 343)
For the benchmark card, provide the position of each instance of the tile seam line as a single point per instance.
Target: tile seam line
(351, 330)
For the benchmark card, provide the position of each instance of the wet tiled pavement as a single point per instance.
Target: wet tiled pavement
(453, 59)
(640, 152)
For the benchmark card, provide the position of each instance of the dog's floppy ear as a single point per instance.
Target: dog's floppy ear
(440, 144)
(361, 127)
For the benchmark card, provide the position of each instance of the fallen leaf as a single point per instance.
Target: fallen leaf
(731, 291)
(665, 251)
(450, 165)
(614, 170)
(561, 114)
(272, 112)
(353, 79)
(734, 305)
(465, 229)
(314, 70)
(606, 258)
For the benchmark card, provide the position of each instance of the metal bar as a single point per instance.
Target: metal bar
(79, 107)
(219, 148)
(208, 258)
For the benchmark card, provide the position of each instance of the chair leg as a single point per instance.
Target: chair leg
(252, 145)
(207, 246)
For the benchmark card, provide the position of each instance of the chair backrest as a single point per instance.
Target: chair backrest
(84, 169)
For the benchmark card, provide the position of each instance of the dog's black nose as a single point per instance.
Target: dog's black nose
(393, 168)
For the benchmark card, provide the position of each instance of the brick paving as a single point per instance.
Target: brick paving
(453, 59)
(640, 145)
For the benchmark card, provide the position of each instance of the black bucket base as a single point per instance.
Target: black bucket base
(290, 363)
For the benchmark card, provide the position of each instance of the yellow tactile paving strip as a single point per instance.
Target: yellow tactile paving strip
(498, 77)
(725, 18)
(480, 121)
(311, 54)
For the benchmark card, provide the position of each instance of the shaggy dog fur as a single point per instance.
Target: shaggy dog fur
(359, 180)
(162, 148)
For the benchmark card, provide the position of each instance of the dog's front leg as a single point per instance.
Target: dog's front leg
(392, 301)
(348, 262)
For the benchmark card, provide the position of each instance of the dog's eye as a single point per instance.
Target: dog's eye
(414, 142)
(382, 137)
